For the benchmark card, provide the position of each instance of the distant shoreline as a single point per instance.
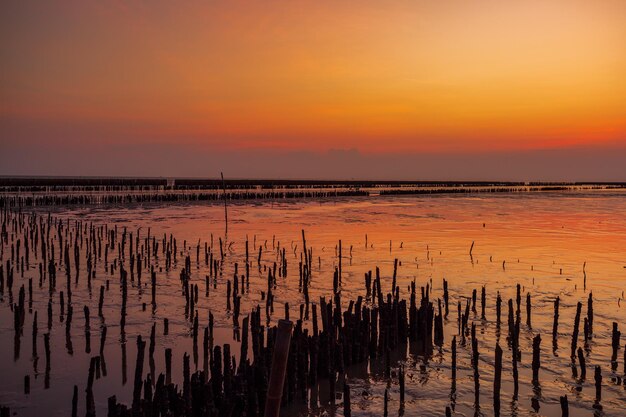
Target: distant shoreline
(209, 183)
(47, 192)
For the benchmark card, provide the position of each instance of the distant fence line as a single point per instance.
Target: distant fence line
(29, 192)
(22, 200)
(453, 190)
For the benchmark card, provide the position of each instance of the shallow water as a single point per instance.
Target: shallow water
(540, 241)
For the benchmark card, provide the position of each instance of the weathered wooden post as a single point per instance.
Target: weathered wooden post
(279, 367)
(75, 402)
(347, 411)
(555, 324)
(497, 380)
(564, 406)
(536, 364)
(576, 327)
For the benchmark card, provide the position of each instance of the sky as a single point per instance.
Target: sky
(422, 89)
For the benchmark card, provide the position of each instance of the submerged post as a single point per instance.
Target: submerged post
(279, 367)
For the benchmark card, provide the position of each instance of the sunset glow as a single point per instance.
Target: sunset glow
(401, 76)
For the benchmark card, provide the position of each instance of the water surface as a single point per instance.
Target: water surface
(564, 244)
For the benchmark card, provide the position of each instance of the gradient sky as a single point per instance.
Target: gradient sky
(193, 88)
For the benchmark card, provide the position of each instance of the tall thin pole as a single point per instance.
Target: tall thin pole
(225, 209)
(279, 368)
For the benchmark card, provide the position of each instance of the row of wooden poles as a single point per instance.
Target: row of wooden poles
(64, 199)
(369, 330)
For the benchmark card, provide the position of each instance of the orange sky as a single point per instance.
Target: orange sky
(393, 76)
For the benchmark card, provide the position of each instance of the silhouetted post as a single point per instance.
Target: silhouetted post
(87, 330)
(624, 362)
(35, 336)
(576, 329)
(205, 352)
(598, 379)
(225, 207)
(615, 342)
(454, 360)
(90, 404)
(445, 297)
(75, 402)
(590, 313)
(46, 344)
(497, 380)
(168, 366)
(536, 364)
(340, 256)
(153, 290)
(474, 301)
(475, 365)
(141, 347)
(483, 302)
(564, 406)
(498, 311)
(528, 310)
(555, 324)
(279, 367)
(101, 301)
(347, 412)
